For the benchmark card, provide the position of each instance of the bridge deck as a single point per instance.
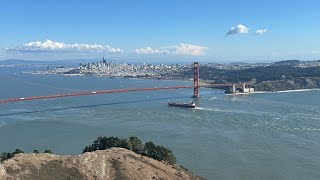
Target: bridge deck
(87, 93)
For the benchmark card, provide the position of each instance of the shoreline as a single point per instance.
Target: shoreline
(112, 77)
(176, 79)
(285, 91)
(298, 90)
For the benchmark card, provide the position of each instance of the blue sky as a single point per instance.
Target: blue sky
(162, 30)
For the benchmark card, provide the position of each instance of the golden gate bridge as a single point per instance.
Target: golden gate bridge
(196, 87)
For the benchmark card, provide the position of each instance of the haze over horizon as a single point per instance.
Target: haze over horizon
(166, 31)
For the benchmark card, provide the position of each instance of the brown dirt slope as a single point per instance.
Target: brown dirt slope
(115, 163)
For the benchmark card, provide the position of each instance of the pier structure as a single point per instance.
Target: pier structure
(241, 88)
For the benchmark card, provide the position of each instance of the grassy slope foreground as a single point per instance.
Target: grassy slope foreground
(114, 163)
(106, 158)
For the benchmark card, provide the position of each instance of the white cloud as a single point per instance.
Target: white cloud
(181, 49)
(315, 52)
(52, 46)
(190, 49)
(239, 29)
(149, 50)
(49, 49)
(261, 31)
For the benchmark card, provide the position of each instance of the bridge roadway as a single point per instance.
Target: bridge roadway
(87, 93)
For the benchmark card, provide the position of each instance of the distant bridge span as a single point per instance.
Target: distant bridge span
(88, 93)
(196, 88)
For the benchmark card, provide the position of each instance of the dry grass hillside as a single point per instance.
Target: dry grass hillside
(114, 163)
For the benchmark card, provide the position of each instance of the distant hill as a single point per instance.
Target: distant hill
(19, 61)
(289, 84)
(25, 62)
(287, 63)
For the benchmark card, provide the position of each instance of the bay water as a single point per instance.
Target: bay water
(256, 136)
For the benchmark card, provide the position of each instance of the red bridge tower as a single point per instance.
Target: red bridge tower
(196, 85)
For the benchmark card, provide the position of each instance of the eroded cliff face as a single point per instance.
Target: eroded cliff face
(288, 84)
(115, 163)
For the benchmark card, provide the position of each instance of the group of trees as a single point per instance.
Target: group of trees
(134, 144)
(4, 156)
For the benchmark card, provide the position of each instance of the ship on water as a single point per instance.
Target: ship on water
(182, 105)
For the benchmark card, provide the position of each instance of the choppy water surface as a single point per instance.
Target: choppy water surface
(258, 136)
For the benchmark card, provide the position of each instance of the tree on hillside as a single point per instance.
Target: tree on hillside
(102, 143)
(159, 153)
(48, 151)
(150, 150)
(135, 144)
(4, 156)
(17, 151)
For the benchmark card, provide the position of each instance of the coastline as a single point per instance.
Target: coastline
(298, 90)
(284, 91)
(182, 80)
(114, 77)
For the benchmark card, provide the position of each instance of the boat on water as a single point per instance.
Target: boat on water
(182, 105)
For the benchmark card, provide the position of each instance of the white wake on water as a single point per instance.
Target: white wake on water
(3, 124)
(207, 109)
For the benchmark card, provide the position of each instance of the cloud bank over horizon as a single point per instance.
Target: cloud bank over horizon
(49, 49)
(53, 46)
(181, 49)
(150, 50)
(50, 46)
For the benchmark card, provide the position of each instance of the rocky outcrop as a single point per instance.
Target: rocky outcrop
(115, 163)
(288, 84)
